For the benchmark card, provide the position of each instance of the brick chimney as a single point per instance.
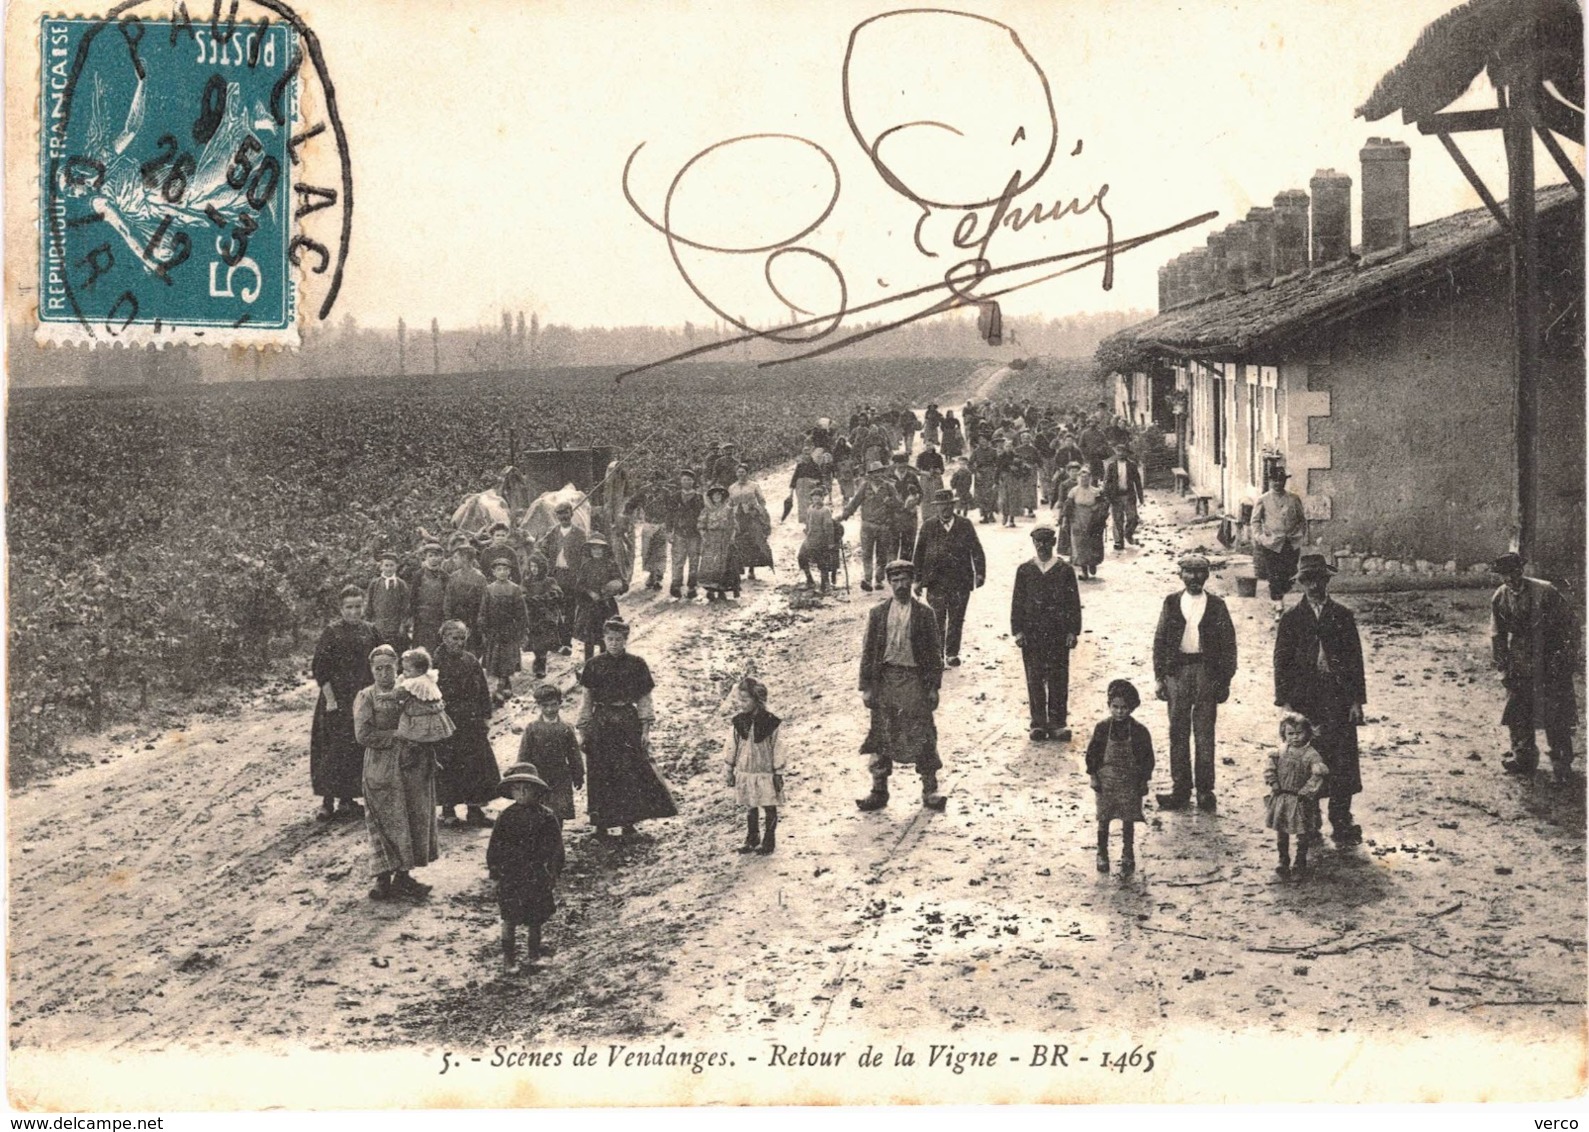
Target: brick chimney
(1178, 289)
(1290, 232)
(1260, 247)
(1195, 282)
(1237, 240)
(1332, 216)
(1385, 194)
(1214, 265)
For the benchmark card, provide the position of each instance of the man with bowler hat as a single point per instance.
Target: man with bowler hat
(1319, 673)
(1045, 620)
(949, 565)
(1534, 639)
(901, 671)
(1194, 658)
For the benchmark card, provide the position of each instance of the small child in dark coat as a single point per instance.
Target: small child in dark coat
(525, 858)
(553, 747)
(1120, 764)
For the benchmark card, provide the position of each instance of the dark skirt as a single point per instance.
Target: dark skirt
(336, 761)
(468, 774)
(502, 658)
(622, 786)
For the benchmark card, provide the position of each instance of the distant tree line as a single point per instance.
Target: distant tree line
(520, 342)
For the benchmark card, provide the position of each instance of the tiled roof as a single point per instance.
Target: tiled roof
(1230, 325)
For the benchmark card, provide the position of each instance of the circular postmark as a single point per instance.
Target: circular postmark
(195, 177)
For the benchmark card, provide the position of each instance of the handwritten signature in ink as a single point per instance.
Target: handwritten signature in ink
(957, 117)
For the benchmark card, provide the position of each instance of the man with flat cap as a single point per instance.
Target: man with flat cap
(1045, 621)
(877, 501)
(1319, 674)
(901, 670)
(1534, 638)
(1279, 527)
(1194, 659)
(949, 565)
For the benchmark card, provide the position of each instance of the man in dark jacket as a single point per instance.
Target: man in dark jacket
(1319, 673)
(1122, 487)
(1194, 659)
(1045, 621)
(901, 671)
(1534, 640)
(949, 565)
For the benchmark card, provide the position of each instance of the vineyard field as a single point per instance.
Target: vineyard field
(181, 540)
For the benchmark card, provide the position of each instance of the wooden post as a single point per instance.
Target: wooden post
(1522, 96)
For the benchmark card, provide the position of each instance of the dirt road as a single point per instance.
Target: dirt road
(180, 892)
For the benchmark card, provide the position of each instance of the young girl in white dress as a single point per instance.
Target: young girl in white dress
(756, 765)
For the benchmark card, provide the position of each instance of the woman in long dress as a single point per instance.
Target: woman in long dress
(468, 775)
(1086, 512)
(622, 786)
(752, 523)
(719, 575)
(954, 441)
(399, 785)
(341, 667)
(597, 584)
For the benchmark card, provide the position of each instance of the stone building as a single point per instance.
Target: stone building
(1380, 377)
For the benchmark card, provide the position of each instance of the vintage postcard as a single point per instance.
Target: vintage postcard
(596, 554)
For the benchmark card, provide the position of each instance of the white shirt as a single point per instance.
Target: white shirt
(1192, 607)
(1124, 472)
(898, 650)
(1045, 567)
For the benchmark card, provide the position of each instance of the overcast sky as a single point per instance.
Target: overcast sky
(489, 142)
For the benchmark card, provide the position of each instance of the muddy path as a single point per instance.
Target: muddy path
(181, 892)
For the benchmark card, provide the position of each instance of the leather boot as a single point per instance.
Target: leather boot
(769, 840)
(930, 797)
(752, 831)
(878, 798)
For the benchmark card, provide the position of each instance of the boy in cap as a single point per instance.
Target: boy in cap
(1319, 674)
(684, 535)
(1534, 640)
(499, 550)
(552, 745)
(428, 598)
(525, 858)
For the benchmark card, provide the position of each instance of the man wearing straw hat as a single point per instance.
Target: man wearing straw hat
(1534, 639)
(1319, 673)
(901, 670)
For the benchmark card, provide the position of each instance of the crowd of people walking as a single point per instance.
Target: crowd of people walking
(406, 696)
